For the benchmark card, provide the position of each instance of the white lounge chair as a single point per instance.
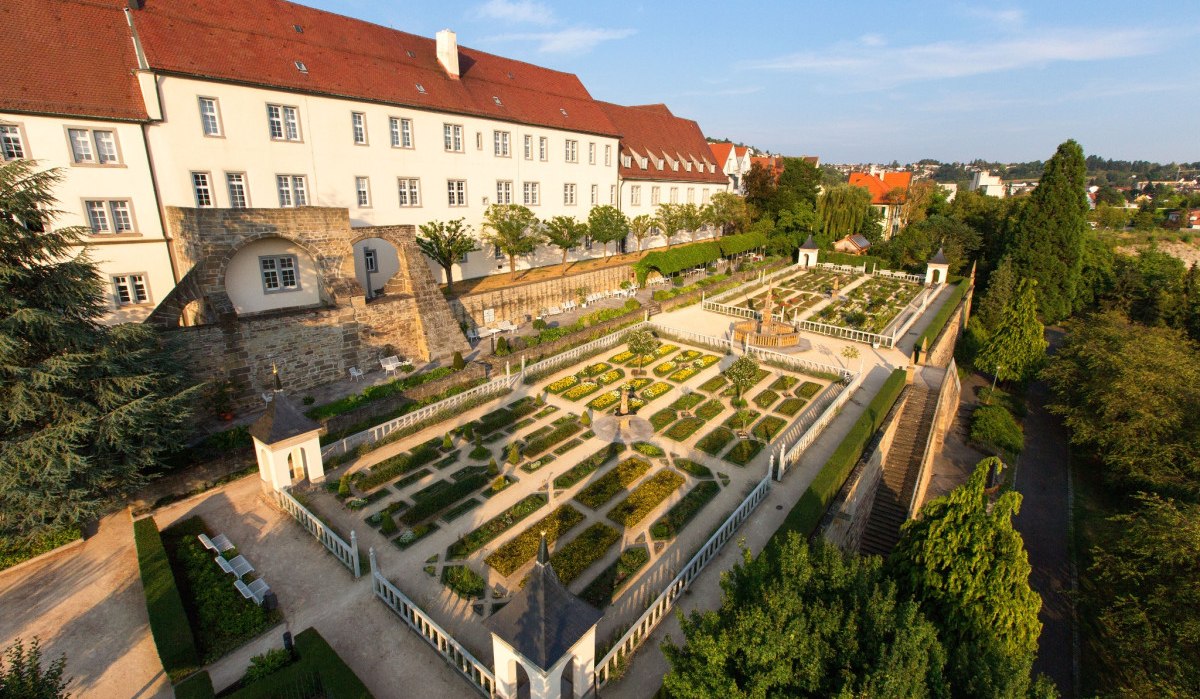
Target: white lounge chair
(553, 311)
(390, 364)
(241, 567)
(224, 564)
(219, 543)
(355, 373)
(256, 590)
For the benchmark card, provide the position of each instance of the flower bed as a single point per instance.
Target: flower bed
(564, 430)
(639, 384)
(645, 498)
(714, 384)
(600, 592)
(464, 582)
(584, 389)
(434, 503)
(636, 403)
(621, 358)
(604, 400)
(537, 463)
(687, 402)
(414, 535)
(713, 442)
(562, 384)
(567, 446)
(683, 374)
(514, 554)
(662, 418)
(570, 561)
(766, 398)
(685, 428)
(742, 419)
(498, 486)
(669, 525)
(768, 427)
(665, 368)
(691, 467)
(687, 355)
(613, 482)
(398, 465)
(655, 390)
(744, 451)
(596, 369)
(494, 527)
(808, 389)
(643, 361)
(707, 361)
(588, 466)
(790, 406)
(460, 509)
(664, 350)
(710, 409)
(503, 417)
(647, 449)
(783, 384)
(610, 376)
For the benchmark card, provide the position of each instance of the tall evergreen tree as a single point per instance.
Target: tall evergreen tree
(1001, 287)
(801, 621)
(85, 409)
(966, 567)
(1016, 346)
(1048, 241)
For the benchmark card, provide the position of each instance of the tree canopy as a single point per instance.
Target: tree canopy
(445, 242)
(513, 229)
(23, 676)
(801, 621)
(727, 211)
(564, 233)
(87, 410)
(1015, 347)
(842, 210)
(606, 224)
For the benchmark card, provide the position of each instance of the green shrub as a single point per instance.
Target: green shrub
(335, 678)
(662, 418)
(613, 482)
(588, 466)
(810, 508)
(514, 453)
(267, 664)
(713, 442)
(168, 619)
(464, 582)
(398, 465)
(480, 453)
(995, 428)
(375, 393)
(514, 554)
(564, 430)
(691, 467)
(571, 560)
(808, 389)
(790, 406)
(599, 592)
(648, 449)
(198, 686)
(766, 398)
(431, 505)
(714, 384)
(494, 527)
(685, 428)
(942, 317)
(669, 525)
(645, 498)
(688, 401)
(343, 490)
(744, 451)
(768, 427)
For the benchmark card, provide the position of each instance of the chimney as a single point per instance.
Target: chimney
(447, 51)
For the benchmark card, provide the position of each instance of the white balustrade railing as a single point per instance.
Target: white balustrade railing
(719, 344)
(848, 269)
(574, 354)
(943, 396)
(608, 667)
(914, 309)
(904, 276)
(378, 432)
(790, 456)
(453, 652)
(799, 363)
(751, 284)
(811, 411)
(726, 309)
(346, 553)
(872, 339)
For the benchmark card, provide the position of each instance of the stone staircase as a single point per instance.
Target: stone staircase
(654, 308)
(901, 469)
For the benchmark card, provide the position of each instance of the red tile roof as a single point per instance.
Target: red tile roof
(654, 132)
(720, 152)
(68, 58)
(881, 189)
(256, 42)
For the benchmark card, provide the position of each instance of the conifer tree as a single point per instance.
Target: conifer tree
(1048, 240)
(85, 409)
(1015, 347)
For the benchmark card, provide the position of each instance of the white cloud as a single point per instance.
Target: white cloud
(957, 59)
(872, 40)
(569, 40)
(1012, 17)
(517, 12)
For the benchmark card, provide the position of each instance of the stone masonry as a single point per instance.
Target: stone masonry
(516, 302)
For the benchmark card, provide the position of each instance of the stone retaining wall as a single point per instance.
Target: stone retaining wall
(516, 303)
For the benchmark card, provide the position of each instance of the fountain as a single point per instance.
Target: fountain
(623, 425)
(766, 331)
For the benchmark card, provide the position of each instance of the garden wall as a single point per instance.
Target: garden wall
(385, 406)
(947, 408)
(514, 303)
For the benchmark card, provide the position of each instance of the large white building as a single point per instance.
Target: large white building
(264, 104)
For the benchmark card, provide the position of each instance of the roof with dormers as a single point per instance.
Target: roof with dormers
(662, 146)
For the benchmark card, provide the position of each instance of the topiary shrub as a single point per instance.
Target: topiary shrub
(267, 664)
(480, 452)
(502, 347)
(514, 453)
(539, 324)
(447, 442)
(586, 419)
(344, 486)
(387, 525)
(995, 428)
(459, 363)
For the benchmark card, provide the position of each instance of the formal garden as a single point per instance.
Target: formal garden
(470, 506)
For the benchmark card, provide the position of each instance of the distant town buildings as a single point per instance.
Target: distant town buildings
(985, 182)
(889, 191)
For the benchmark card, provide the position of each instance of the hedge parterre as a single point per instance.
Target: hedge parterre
(494, 527)
(518, 551)
(685, 428)
(644, 498)
(669, 525)
(613, 482)
(570, 561)
(600, 592)
(588, 466)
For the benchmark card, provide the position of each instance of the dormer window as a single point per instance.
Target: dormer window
(687, 166)
(420, 88)
(298, 28)
(644, 162)
(301, 67)
(564, 112)
(410, 54)
(626, 161)
(497, 101)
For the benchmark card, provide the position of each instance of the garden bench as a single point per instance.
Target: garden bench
(219, 543)
(241, 567)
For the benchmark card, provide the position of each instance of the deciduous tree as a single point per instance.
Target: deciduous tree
(564, 233)
(445, 242)
(690, 219)
(1016, 346)
(642, 343)
(742, 373)
(513, 229)
(606, 224)
(727, 211)
(842, 210)
(669, 220)
(641, 227)
(22, 675)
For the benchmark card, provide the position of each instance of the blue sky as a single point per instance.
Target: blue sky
(865, 81)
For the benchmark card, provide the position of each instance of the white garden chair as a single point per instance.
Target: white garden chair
(356, 374)
(390, 364)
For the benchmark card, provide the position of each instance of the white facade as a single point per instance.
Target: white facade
(639, 197)
(106, 172)
(987, 183)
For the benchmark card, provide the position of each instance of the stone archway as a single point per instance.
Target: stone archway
(273, 272)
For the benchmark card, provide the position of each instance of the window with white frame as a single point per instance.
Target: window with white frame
(130, 289)
(501, 144)
(202, 189)
(635, 195)
(410, 191)
(109, 216)
(655, 196)
(626, 161)
(235, 182)
(402, 132)
(543, 148)
(504, 192)
(362, 192)
(293, 190)
(456, 191)
(595, 194)
(612, 194)
(568, 194)
(532, 194)
(279, 273)
(452, 134)
(528, 147)
(93, 147)
(12, 146)
(370, 260)
(607, 156)
(592, 153)
(691, 195)
(674, 195)
(284, 122)
(704, 196)
(571, 151)
(210, 116)
(358, 126)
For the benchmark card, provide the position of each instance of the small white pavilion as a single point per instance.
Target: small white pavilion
(287, 443)
(937, 270)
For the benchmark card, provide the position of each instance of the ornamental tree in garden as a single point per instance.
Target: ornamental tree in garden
(1016, 346)
(640, 228)
(742, 374)
(85, 409)
(606, 224)
(445, 242)
(641, 342)
(513, 229)
(564, 233)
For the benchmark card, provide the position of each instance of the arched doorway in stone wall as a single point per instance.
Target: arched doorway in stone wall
(376, 261)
